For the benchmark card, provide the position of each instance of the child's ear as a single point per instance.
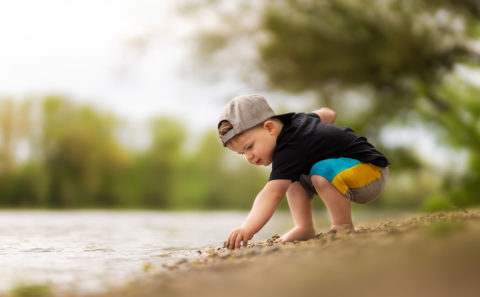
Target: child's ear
(270, 126)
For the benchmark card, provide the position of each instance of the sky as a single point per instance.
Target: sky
(94, 51)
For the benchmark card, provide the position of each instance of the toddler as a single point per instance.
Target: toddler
(309, 155)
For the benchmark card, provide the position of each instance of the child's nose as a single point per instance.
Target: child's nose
(249, 157)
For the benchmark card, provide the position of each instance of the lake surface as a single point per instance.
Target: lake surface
(94, 250)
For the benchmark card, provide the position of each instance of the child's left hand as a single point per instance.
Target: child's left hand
(237, 237)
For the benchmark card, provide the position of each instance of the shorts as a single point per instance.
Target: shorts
(357, 181)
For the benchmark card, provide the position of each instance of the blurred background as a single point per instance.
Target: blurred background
(113, 104)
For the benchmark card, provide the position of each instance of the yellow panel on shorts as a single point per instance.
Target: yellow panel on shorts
(356, 177)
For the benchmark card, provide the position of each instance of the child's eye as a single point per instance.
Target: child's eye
(250, 147)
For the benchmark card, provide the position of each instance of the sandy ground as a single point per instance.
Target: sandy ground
(429, 255)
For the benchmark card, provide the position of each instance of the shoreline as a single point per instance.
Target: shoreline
(429, 222)
(426, 255)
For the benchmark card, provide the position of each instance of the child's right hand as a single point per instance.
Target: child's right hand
(237, 237)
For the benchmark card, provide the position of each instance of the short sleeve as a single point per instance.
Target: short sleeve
(315, 115)
(292, 156)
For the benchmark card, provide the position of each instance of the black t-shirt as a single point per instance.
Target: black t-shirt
(305, 140)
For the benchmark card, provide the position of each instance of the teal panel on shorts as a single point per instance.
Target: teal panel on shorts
(329, 168)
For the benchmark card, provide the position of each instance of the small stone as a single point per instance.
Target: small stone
(225, 256)
(393, 231)
(332, 231)
(272, 250)
(253, 252)
(181, 261)
(239, 254)
(170, 266)
(210, 251)
(147, 267)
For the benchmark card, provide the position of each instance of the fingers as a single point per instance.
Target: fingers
(235, 240)
(238, 241)
(245, 242)
(231, 240)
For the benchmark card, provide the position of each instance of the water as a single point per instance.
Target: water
(91, 251)
(95, 250)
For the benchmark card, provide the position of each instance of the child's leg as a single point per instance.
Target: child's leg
(339, 178)
(301, 208)
(338, 206)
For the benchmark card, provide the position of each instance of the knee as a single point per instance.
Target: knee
(296, 191)
(319, 182)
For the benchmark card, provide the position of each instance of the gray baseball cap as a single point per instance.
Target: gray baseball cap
(244, 112)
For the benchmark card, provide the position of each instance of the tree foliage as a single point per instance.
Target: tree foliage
(14, 125)
(402, 59)
(77, 161)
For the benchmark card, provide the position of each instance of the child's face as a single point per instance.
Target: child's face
(256, 144)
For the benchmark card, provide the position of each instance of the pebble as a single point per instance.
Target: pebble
(181, 261)
(170, 266)
(147, 267)
(224, 256)
(269, 246)
(272, 250)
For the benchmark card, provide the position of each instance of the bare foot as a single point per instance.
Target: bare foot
(342, 228)
(298, 233)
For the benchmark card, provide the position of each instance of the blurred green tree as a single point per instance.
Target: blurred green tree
(158, 169)
(25, 187)
(82, 156)
(14, 128)
(76, 161)
(399, 57)
(212, 178)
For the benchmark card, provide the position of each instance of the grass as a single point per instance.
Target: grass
(31, 290)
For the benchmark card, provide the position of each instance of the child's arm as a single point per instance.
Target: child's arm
(262, 210)
(326, 115)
